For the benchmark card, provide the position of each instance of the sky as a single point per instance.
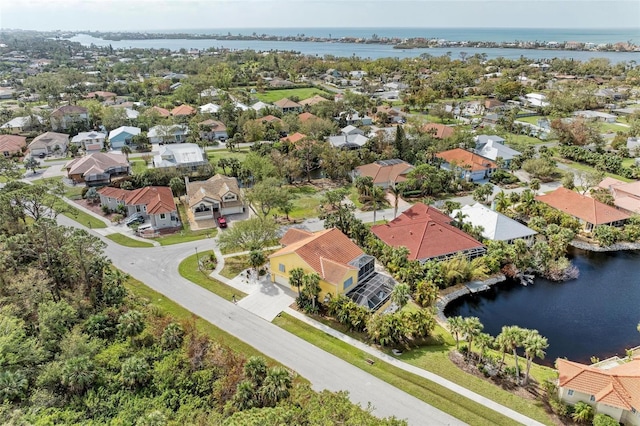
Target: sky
(140, 15)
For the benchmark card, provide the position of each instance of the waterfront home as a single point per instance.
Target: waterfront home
(89, 141)
(438, 131)
(49, 143)
(385, 173)
(495, 226)
(428, 234)
(66, 116)
(467, 165)
(184, 156)
(11, 145)
(626, 195)
(153, 203)
(168, 134)
(122, 136)
(286, 106)
(588, 211)
(217, 196)
(342, 266)
(98, 168)
(613, 390)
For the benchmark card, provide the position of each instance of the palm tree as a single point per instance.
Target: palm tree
(377, 197)
(400, 294)
(471, 327)
(131, 324)
(126, 151)
(396, 192)
(582, 412)
(78, 374)
(512, 340)
(502, 202)
(255, 370)
(276, 386)
(135, 372)
(311, 283)
(172, 336)
(295, 278)
(459, 219)
(534, 346)
(13, 385)
(455, 328)
(245, 397)
(484, 341)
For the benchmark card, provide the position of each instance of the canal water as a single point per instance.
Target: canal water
(594, 315)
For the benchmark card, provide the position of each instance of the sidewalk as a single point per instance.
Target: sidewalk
(415, 370)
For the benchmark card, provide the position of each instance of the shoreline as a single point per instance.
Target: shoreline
(586, 246)
(464, 289)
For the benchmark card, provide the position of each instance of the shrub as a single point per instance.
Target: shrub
(105, 209)
(604, 420)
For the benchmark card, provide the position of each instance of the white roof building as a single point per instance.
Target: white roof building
(209, 108)
(492, 150)
(259, 106)
(22, 122)
(132, 114)
(496, 226)
(180, 155)
(124, 129)
(536, 99)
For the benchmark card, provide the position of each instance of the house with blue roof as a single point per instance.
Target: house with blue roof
(122, 136)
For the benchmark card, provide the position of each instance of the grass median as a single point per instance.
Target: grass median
(423, 389)
(123, 240)
(189, 269)
(82, 218)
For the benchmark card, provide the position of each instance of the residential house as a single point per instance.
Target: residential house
(211, 130)
(495, 226)
(176, 133)
(482, 140)
(588, 211)
(611, 390)
(269, 119)
(342, 266)
(89, 141)
(294, 138)
(596, 116)
(439, 131)
(536, 100)
(66, 116)
(209, 108)
(492, 104)
(98, 168)
(493, 149)
(428, 234)
(259, 106)
(217, 196)
(633, 145)
(305, 116)
(354, 118)
(49, 143)
(468, 165)
(161, 111)
(359, 74)
(183, 111)
(185, 156)
(240, 106)
(354, 140)
(386, 114)
(154, 203)
(626, 196)
(101, 95)
(11, 145)
(314, 100)
(122, 136)
(22, 124)
(385, 173)
(286, 106)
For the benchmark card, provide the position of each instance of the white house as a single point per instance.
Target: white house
(494, 150)
(185, 155)
(536, 99)
(209, 108)
(496, 226)
(122, 136)
(20, 124)
(89, 141)
(168, 134)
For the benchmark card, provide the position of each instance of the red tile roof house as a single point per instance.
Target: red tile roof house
(183, 111)
(626, 196)
(296, 137)
(385, 173)
(154, 203)
(588, 211)
(428, 235)
(64, 117)
(614, 391)
(287, 105)
(161, 111)
(97, 169)
(439, 131)
(12, 145)
(468, 165)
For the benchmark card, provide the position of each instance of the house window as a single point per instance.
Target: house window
(593, 398)
(281, 268)
(348, 283)
(162, 215)
(138, 209)
(570, 392)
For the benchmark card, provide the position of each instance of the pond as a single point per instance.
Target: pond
(594, 315)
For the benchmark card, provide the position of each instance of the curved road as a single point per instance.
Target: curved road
(157, 267)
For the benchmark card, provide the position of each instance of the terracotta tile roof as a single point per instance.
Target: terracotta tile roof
(294, 235)
(286, 103)
(426, 232)
(163, 112)
(439, 131)
(296, 137)
(214, 125)
(12, 144)
(68, 109)
(158, 199)
(98, 163)
(618, 386)
(315, 99)
(462, 157)
(183, 110)
(215, 188)
(268, 119)
(391, 171)
(327, 252)
(306, 116)
(101, 94)
(582, 207)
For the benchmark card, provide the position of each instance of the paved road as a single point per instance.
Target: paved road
(158, 268)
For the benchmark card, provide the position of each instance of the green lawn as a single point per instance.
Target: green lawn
(82, 218)
(306, 200)
(189, 269)
(123, 240)
(585, 167)
(423, 389)
(234, 265)
(138, 166)
(186, 234)
(611, 127)
(71, 192)
(531, 120)
(225, 153)
(524, 139)
(271, 96)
